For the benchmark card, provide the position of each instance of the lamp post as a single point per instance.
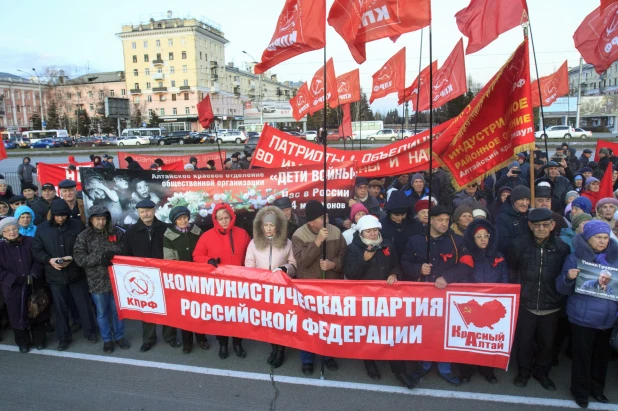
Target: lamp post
(260, 89)
(40, 95)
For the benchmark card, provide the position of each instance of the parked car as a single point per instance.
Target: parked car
(206, 137)
(133, 141)
(556, 132)
(251, 144)
(232, 136)
(65, 141)
(389, 134)
(311, 135)
(10, 145)
(581, 133)
(47, 143)
(113, 140)
(252, 134)
(23, 142)
(180, 137)
(90, 142)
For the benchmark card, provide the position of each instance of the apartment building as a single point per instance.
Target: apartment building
(19, 100)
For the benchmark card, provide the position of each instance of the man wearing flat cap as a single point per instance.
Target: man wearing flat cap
(68, 192)
(145, 239)
(585, 157)
(294, 222)
(535, 261)
(375, 191)
(361, 195)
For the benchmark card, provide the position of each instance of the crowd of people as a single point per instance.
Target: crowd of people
(493, 231)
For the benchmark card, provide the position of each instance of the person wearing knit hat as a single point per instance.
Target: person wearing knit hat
(512, 178)
(398, 225)
(472, 190)
(543, 199)
(579, 222)
(591, 191)
(421, 218)
(605, 211)
(8, 222)
(361, 195)
(462, 217)
(307, 243)
(179, 241)
(357, 211)
(590, 311)
(189, 167)
(480, 211)
(512, 221)
(376, 188)
(577, 226)
(570, 196)
(581, 205)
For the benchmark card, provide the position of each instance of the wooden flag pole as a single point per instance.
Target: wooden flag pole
(418, 86)
(430, 143)
(536, 67)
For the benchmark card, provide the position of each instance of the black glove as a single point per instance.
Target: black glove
(106, 258)
(283, 268)
(20, 280)
(214, 263)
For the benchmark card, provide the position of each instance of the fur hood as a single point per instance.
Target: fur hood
(474, 249)
(281, 233)
(583, 250)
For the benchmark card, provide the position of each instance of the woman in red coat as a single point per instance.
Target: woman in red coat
(223, 244)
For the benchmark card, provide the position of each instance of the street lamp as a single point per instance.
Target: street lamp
(40, 95)
(260, 89)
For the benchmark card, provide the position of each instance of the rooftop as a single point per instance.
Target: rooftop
(14, 79)
(95, 78)
(171, 20)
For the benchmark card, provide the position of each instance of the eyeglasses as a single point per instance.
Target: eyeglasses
(541, 225)
(482, 236)
(18, 203)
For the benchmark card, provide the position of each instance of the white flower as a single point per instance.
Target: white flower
(271, 199)
(203, 213)
(251, 192)
(269, 190)
(217, 197)
(223, 197)
(245, 196)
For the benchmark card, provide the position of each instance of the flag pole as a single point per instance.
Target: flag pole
(430, 142)
(403, 106)
(536, 67)
(325, 135)
(418, 87)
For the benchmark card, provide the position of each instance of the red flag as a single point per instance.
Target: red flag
(391, 77)
(3, 154)
(496, 125)
(204, 112)
(348, 87)
(360, 22)
(484, 20)
(449, 81)
(301, 28)
(345, 129)
(605, 4)
(411, 92)
(606, 189)
(552, 86)
(316, 89)
(595, 38)
(300, 103)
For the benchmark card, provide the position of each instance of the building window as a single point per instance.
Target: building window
(186, 110)
(183, 41)
(148, 85)
(173, 83)
(184, 68)
(186, 96)
(146, 58)
(161, 97)
(171, 56)
(136, 99)
(206, 57)
(111, 93)
(185, 82)
(145, 44)
(101, 94)
(149, 99)
(135, 72)
(158, 56)
(162, 111)
(200, 55)
(133, 45)
(160, 84)
(184, 55)
(173, 96)
(174, 111)
(69, 96)
(90, 94)
(134, 59)
(170, 42)
(159, 70)
(123, 92)
(147, 71)
(171, 69)
(158, 43)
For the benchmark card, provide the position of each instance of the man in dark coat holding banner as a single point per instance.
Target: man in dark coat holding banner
(145, 239)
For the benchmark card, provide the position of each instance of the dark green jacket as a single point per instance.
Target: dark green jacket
(179, 246)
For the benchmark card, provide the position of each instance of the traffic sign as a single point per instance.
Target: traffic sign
(144, 124)
(44, 124)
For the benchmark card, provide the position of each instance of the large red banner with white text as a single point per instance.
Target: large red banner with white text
(145, 160)
(55, 173)
(463, 323)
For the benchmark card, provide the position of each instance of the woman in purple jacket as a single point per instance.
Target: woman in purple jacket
(489, 267)
(592, 318)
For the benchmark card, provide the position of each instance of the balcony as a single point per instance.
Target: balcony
(157, 62)
(237, 90)
(215, 77)
(252, 87)
(251, 96)
(184, 88)
(214, 64)
(135, 91)
(159, 89)
(158, 76)
(215, 88)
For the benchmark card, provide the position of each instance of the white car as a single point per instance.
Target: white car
(311, 135)
(389, 134)
(581, 133)
(556, 132)
(232, 136)
(133, 141)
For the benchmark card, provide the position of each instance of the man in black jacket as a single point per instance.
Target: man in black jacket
(42, 205)
(145, 239)
(535, 261)
(53, 246)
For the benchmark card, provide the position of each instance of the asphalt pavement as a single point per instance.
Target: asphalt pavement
(83, 377)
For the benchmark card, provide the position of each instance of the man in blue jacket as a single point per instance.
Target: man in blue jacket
(449, 262)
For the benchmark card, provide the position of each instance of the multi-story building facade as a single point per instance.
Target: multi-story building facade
(594, 84)
(19, 100)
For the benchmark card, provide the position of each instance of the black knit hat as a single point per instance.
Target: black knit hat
(60, 207)
(438, 210)
(314, 209)
(518, 193)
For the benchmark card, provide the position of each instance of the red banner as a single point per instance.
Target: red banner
(498, 124)
(606, 3)
(595, 37)
(3, 154)
(145, 160)
(391, 77)
(552, 86)
(277, 149)
(348, 87)
(464, 323)
(300, 103)
(55, 173)
(345, 129)
(484, 20)
(301, 28)
(360, 22)
(316, 89)
(410, 93)
(449, 81)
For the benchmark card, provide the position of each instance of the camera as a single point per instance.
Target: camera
(516, 171)
(60, 261)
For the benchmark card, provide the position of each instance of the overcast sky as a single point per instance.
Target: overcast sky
(81, 35)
